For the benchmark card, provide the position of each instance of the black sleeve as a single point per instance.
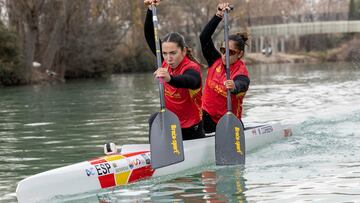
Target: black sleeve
(209, 51)
(242, 83)
(189, 79)
(149, 33)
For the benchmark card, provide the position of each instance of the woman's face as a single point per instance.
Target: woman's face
(234, 53)
(172, 53)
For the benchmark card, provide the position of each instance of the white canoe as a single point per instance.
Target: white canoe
(131, 165)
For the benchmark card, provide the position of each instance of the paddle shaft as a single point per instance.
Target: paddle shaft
(229, 134)
(166, 144)
(227, 59)
(158, 56)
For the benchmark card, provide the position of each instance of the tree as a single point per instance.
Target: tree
(70, 38)
(95, 38)
(354, 10)
(24, 17)
(11, 71)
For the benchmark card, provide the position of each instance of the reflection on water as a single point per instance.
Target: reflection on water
(225, 184)
(44, 127)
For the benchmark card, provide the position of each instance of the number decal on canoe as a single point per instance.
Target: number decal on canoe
(266, 130)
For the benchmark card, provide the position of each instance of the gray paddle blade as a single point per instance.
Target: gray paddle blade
(166, 144)
(229, 141)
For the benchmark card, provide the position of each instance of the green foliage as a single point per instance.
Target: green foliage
(135, 62)
(320, 42)
(11, 69)
(354, 10)
(90, 55)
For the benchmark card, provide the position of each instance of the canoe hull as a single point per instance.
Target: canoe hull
(131, 165)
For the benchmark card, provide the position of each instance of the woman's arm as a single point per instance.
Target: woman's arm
(242, 83)
(149, 33)
(189, 79)
(209, 51)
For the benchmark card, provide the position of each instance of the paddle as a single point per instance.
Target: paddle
(229, 135)
(166, 144)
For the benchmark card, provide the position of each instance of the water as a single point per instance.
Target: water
(44, 127)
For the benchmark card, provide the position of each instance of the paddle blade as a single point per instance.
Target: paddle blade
(229, 141)
(166, 144)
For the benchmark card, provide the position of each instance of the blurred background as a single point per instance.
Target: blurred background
(96, 38)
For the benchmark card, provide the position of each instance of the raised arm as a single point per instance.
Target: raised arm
(209, 51)
(149, 26)
(149, 31)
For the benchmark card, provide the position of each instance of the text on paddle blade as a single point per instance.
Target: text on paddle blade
(237, 141)
(173, 140)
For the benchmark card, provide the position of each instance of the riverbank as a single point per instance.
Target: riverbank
(347, 51)
(259, 58)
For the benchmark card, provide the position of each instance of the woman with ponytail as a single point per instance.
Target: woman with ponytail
(215, 89)
(182, 78)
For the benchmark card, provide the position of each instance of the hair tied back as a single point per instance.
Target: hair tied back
(243, 35)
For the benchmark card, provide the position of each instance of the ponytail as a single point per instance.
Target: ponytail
(189, 54)
(240, 40)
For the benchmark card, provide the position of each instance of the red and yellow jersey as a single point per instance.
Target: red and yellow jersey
(214, 99)
(184, 102)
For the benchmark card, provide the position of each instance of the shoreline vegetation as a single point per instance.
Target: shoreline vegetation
(347, 51)
(95, 39)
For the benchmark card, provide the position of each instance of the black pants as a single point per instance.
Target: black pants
(209, 124)
(193, 132)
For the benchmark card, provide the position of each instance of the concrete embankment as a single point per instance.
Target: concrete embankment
(347, 51)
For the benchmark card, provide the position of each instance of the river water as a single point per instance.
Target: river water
(48, 126)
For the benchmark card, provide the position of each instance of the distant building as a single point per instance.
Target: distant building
(295, 11)
(274, 12)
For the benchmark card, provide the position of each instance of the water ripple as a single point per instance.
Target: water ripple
(44, 127)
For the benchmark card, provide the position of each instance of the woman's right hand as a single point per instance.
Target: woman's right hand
(151, 2)
(162, 73)
(221, 8)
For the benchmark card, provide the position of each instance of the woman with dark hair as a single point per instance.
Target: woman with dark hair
(182, 78)
(215, 89)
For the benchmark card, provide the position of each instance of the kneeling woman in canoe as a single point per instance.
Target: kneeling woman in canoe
(182, 76)
(215, 89)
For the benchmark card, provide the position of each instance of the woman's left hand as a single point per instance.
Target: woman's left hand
(221, 8)
(162, 73)
(229, 84)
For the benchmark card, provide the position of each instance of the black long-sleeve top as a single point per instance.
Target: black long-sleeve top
(211, 54)
(190, 78)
